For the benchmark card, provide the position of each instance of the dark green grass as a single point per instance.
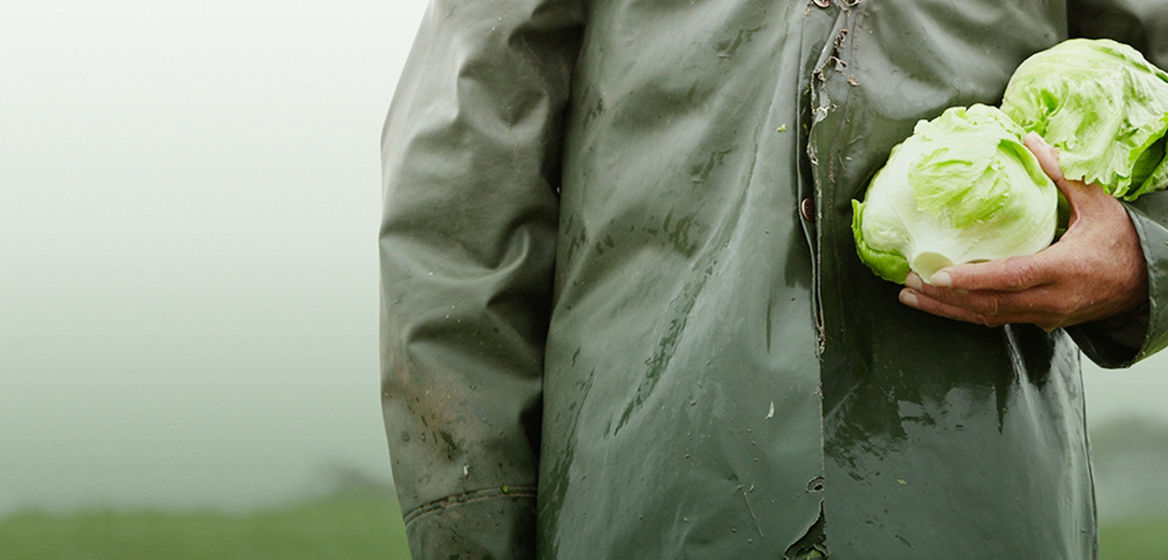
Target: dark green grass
(1136, 539)
(350, 525)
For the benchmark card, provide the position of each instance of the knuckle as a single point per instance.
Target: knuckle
(988, 306)
(1068, 305)
(990, 321)
(1023, 276)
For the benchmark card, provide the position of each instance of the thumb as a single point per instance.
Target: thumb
(1076, 192)
(1046, 154)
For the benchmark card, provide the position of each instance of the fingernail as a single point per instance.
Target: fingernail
(1034, 137)
(941, 278)
(913, 281)
(908, 298)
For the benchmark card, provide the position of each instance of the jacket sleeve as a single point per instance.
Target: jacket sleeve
(470, 154)
(1125, 339)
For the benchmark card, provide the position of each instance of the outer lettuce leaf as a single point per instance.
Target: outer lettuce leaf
(962, 188)
(889, 265)
(1105, 108)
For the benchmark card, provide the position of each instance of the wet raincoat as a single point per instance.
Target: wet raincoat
(622, 312)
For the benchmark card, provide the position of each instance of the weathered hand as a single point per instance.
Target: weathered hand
(1095, 270)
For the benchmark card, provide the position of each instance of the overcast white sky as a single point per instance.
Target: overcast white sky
(189, 204)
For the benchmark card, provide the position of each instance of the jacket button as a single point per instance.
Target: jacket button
(807, 209)
(822, 3)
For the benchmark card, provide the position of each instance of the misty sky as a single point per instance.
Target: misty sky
(189, 205)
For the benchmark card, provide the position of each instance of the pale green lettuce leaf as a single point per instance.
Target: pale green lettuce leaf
(1103, 106)
(963, 188)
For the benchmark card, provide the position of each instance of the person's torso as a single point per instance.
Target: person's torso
(719, 363)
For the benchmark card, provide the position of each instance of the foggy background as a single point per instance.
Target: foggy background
(189, 206)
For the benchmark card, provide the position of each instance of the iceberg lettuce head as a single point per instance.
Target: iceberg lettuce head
(963, 188)
(1105, 108)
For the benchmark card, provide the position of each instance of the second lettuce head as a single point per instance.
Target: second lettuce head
(1103, 106)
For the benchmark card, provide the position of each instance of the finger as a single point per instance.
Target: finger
(1082, 198)
(1010, 274)
(920, 301)
(1004, 314)
(1027, 304)
(1076, 192)
(1046, 154)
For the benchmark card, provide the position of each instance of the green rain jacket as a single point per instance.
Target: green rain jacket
(623, 317)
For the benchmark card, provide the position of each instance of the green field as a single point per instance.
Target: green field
(1136, 539)
(350, 525)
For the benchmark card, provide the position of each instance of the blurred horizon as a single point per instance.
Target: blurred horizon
(190, 199)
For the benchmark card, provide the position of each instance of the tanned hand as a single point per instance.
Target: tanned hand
(1095, 270)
